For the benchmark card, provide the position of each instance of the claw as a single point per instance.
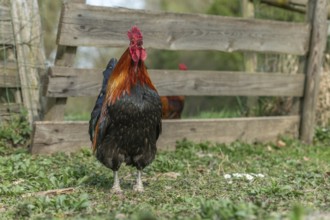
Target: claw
(138, 188)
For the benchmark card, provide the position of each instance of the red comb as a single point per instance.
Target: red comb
(134, 33)
(182, 66)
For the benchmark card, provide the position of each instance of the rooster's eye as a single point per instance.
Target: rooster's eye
(139, 43)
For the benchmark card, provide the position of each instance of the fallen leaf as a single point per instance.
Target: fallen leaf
(120, 216)
(201, 155)
(18, 181)
(52, 192)
(172, 175)
(306, 158)
(202, 169)
(280, 143)
(269, 148)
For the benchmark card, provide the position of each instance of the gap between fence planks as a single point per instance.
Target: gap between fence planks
(55, 107)
(293, 5)
(61, 136)
(85, 25)
(68, 82)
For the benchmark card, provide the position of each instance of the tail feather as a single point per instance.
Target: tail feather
(100, 128)
(95, 115)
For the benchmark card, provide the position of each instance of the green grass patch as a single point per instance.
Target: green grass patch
(188, 183)
(85, 116)
(214, 114)
(16, 131)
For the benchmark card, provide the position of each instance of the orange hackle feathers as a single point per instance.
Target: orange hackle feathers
(125, 76)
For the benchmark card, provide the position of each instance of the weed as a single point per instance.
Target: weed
(16, 131)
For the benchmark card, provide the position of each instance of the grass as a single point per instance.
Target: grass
(85, 116)
(188, 183)
(214, 114)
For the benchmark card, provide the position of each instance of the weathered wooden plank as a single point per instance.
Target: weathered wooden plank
(8, 75)
(9, 109)
(4, 12)
(51, 137)
(65, 82)
(317, 14)
(7, 33)
(85, 25)
(30, 56)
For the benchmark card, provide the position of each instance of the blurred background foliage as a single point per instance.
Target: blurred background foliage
(198, 106)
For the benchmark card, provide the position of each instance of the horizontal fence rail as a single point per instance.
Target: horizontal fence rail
(85, 25)
(66, 82)
(7, 33)
(6, 27)
(8, 110)
(8, 75)
(51, 137)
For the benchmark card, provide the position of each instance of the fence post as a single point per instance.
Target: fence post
(30, 54)
(250, 58)
(317, 17)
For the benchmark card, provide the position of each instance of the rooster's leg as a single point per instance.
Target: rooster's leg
(138, 187)
(116, 186)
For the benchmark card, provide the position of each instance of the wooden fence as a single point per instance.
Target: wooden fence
(84, 25)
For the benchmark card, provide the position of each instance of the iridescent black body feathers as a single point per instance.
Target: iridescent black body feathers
(132, 129)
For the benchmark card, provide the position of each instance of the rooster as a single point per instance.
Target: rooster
(172, 106)
(130, 119)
